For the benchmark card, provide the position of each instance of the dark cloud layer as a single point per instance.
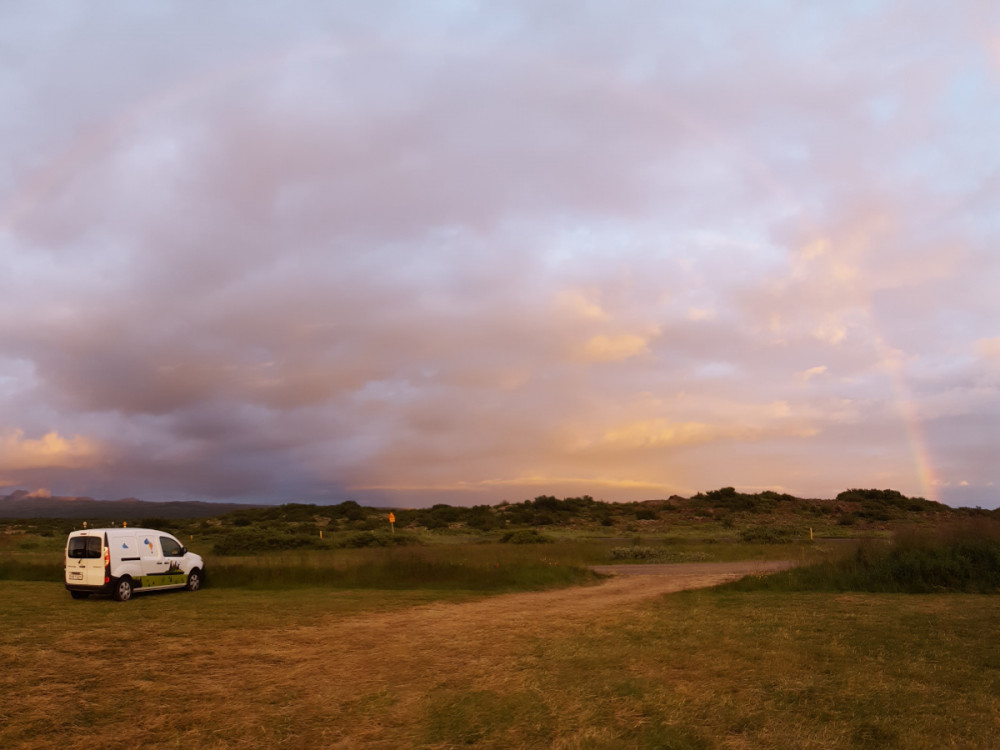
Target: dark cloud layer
(415, 254)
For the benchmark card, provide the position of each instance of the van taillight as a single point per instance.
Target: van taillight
(107, 565)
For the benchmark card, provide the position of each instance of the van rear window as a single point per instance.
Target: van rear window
(88, 547)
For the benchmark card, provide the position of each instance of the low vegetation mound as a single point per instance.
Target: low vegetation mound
(770, 535)
(256, 542)
(525, 536)
(640, 553)
(963, 558)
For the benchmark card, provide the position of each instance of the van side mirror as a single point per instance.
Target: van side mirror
(184, 551)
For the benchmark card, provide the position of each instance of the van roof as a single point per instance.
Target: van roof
(117, 530)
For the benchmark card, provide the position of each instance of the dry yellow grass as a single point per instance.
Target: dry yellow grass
(145, 673)
(608, 666)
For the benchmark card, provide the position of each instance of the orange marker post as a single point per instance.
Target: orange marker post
(392, 521)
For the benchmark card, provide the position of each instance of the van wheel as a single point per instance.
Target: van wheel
(195, 578)
(79, 594)
(123, 589)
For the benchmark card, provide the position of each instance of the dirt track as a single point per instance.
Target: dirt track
(488, 624)
(379, 679)
(410, 653)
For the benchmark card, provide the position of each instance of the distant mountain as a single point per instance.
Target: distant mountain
(23, 504)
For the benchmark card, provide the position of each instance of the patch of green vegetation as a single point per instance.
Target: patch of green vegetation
(475, 718)
(525, 536)
(884, 505)
(770, 535)
(956, 558)
(259, 541)
(377, 539)
(470, 567)
(31, 567)
(719, 668)
(646, 554)
(728, 499)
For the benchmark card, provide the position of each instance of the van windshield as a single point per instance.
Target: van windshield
(84, 547)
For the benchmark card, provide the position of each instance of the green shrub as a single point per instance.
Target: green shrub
(768, 535)
(962, 558)
(636, 552)
(372, 539)
(646, 554)
(525, 536)
(251, 542)
(486, 568)
(156, 523)
(30, 570)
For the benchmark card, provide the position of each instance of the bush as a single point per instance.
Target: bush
(768, 535)
(255, 542)
(636, 552)
(884, 505)
(525, 536)
(155, 523)
(371, 539)
(547, 502)
(960, 558)
(640, 553)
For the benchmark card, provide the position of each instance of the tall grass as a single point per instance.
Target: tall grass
(31, 566)
(478, 569)
(961, 557)
(472, 567)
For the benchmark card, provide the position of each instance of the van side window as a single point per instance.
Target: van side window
(170, 547)
(84, 547)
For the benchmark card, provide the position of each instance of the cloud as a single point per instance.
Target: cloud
(806, 375)
(51, 451)
(345, 249)
(576, 303)
(989, 348)
(658, 433)
(614, 348)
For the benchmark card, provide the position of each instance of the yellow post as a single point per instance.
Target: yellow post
(810, 534)
(392, 521)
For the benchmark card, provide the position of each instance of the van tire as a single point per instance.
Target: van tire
(123, 589)
(195, 580)
(79, 594)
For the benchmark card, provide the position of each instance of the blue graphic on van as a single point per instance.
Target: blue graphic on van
(124, 545)
(146, 541)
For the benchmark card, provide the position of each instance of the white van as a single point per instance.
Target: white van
(122, 561)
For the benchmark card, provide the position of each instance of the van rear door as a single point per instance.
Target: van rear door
(85, 559)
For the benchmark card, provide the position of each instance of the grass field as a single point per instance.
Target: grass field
(318, 668)
(464, 563)
(471, 644)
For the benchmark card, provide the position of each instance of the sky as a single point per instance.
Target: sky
(466, 252)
